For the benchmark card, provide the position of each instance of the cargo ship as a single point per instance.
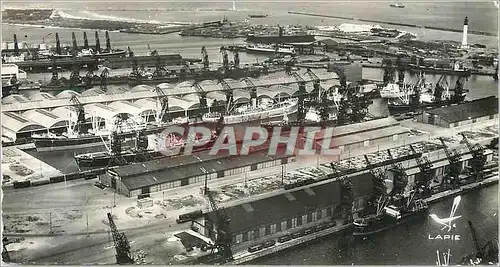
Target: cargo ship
(174, 145)
(251, 112)
(312, 119)
(71, 140)
(278, 49)
(390, 217)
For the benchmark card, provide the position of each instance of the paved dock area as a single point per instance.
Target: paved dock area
(18, 165)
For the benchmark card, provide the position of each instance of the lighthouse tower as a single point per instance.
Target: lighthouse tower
(464, 37)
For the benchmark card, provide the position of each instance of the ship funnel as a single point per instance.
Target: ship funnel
(75, 45)
(16, 46)
(97, 43)
(58, 44)
(108, 42)
(85, 41)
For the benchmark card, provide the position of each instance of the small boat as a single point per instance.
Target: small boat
(256, 16)
(397, 5)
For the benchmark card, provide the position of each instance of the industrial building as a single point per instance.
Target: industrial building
(309, 205)
(140, 102)
(158, 175)
(461, 114)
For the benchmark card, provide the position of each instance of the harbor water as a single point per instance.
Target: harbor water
(408, 244)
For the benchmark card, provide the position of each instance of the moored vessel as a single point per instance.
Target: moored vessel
(251, 112)
(278, 49)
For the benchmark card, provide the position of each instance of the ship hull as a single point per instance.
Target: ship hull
(286, 127)
(55, 144)
(120, 53)
(388, 222)
(268, 51)
(106, 160)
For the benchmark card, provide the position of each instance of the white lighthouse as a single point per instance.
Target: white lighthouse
(464, 37)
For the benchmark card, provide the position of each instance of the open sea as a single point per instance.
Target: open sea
(408, 244)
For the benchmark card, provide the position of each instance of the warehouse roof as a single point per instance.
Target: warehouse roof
(19, 123)
(470, 110)
(45, 118)
(142, 91)
(67, 113)
(368, 135)
(92, 92)
(191, 169)
(132, 108)
(40, 96)
(279, 208)
(14, 99)
(67, 94)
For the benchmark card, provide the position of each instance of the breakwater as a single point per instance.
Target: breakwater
(391, 23)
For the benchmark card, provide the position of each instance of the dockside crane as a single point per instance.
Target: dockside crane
(400, 179)
(54, 81)
(162, 108)
(202, 95)
(74, 78)
(89, 79)
(104, 79)
(388, 72)
(346, 200)
(459, 93)
(229, 93)
(80, 121)
(452, 176)
(122, 246)
(401, 72)
(423, 180)
(485, 254)
(379, 197)
(236, 58)
(225, 58)
(253, 90)
(223, 238)
(478, 158)
(204, 57)
(301, 113)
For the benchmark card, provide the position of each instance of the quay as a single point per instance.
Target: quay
(244, 257)
(449, 71)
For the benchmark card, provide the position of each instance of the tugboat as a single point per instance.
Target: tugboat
(393, 208)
